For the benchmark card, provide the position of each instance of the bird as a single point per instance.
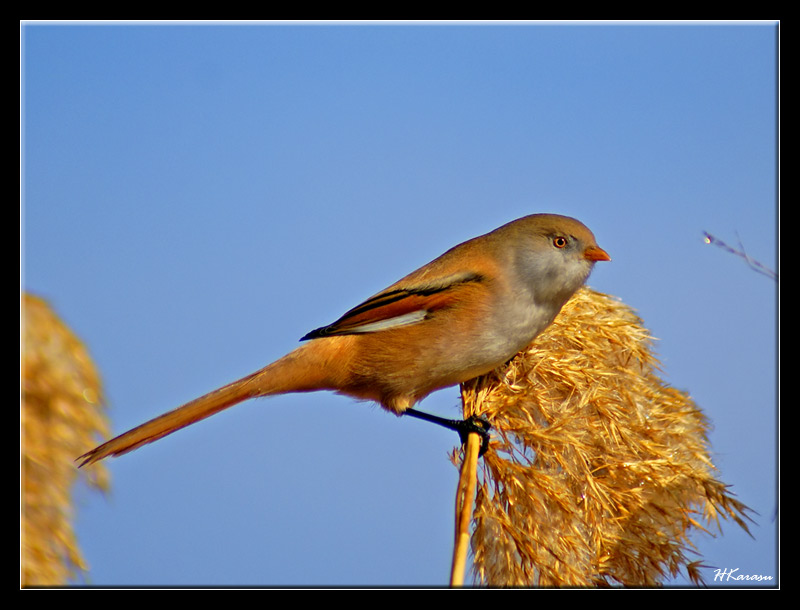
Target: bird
(460, 316)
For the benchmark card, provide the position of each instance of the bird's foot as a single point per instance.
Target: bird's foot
(464, 427)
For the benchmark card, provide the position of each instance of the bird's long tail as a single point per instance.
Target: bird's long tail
(299, 371)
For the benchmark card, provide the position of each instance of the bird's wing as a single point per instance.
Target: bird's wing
(400, 305)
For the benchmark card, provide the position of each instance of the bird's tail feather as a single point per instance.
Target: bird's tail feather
(183, 416)
(295, 372)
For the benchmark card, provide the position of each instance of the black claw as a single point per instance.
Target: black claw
(476, 424)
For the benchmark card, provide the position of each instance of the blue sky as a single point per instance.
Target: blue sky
(195, 198)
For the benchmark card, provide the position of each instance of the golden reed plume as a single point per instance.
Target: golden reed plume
(598, 471)
(61, 416)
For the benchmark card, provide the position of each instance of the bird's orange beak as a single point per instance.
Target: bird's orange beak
(596, 253)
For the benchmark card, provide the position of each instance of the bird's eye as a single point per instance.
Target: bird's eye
(560, 242)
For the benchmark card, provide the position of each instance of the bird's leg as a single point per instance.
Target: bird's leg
(478, 425)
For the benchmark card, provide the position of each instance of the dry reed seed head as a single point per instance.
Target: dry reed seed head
(598, 471)
(61, 417)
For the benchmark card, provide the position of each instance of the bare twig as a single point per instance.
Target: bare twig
(751, 262)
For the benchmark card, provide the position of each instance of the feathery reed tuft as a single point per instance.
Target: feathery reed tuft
(598, 471)
(60, 417)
